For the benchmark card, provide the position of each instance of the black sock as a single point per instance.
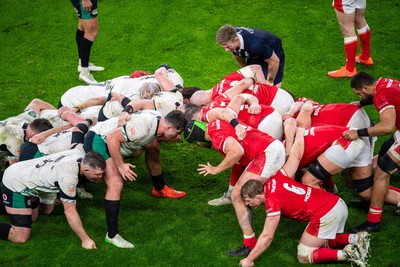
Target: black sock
(84, 52)
(4, 230)
(112, 210)
(79, 36)
(158, 182)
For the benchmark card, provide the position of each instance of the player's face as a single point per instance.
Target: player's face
(172, 133)
(94, 175)
(253, 202)
(229, 46)
(363, 94)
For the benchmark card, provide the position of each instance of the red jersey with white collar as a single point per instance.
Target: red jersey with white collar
(387, 95)
(227, 83)
(253, 144)
(264, 92)
(294, 200)
(320, 138)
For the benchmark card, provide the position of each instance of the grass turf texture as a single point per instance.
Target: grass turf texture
(39, 60)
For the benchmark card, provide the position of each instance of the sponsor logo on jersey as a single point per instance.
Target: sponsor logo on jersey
(4, 197)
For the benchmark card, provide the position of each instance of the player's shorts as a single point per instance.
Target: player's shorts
(83, 14)
(269, 162)
(14, 199)
(272, 125)
(331, 223)
(395, 148)
(282, 101)
(349, 6)
(94, 142)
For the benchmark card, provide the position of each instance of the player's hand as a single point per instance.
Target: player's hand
(246, 262)
(286, 116)
(356, 103)
(350, 135)
(37, 138)
(254, 109)
(206, 169)
(89, 244)
(126, 172)
(87, 5)
(240, 132)
(123, 118)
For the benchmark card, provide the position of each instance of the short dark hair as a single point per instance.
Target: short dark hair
(251, 188)
(190, 110)
(177, 119)
(361, 79)
(94, 160)
(187, 92)
(40, 125)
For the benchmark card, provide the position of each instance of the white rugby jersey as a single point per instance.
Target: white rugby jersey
(140, 130)
(56, 173)
(55, 143)
(166, 102)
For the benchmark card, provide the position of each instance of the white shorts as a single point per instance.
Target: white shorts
(272, 125)
(282, 101)
(331, 223)
(349, 6)
(270, 162)
(395, 148)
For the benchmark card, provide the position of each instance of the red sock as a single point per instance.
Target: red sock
(351, 51)
(250, 242)
(374, 214)
(323, 255)
(365, 40)
(394, 188)
(339, 241)
(237, 170)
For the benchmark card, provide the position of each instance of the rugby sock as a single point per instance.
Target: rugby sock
(250, 240)
(158, 182)
(394, 188)
(79, 36)
(229, 192)
(4, 230)
(84, 52)
(323, 255)
(365, 40)
(350, 47)
(374, 214)
(339, 241)
(112, 210)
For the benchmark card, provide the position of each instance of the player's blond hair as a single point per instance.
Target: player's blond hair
(226, 33)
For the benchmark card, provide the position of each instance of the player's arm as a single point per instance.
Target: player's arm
(161, 75)
(40, 137)
(233, 152)
(239, 100)
(264, 240)
(76, 224)
(230, 116)
(238, 88)
(294, 108)
(387, 125)
(114, 140)
(95, 101)
(133, 106)
(240, 60)
(295, 154)
(273, 66)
